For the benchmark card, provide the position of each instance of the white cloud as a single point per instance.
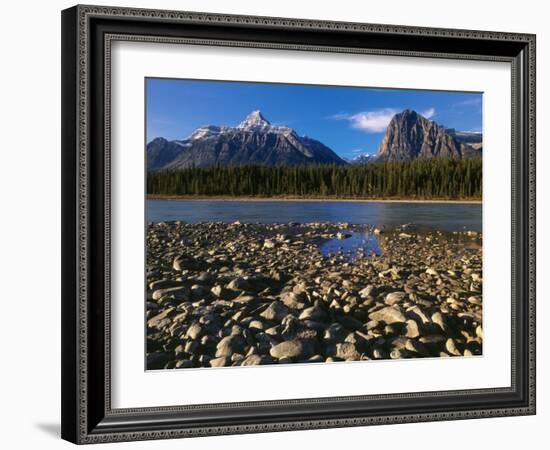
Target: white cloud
(376, 121)
(373, 121)
(429, 113)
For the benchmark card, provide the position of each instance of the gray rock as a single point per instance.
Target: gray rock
(412, 329)
(180, 293)
(476, 277)
(367, 291)
(254, 360)
(160, 319)
(191, 347)
(245, 299)
(418, 314)
(198, 291)
(237, 357)
(397, 353)
(182, 263)
(293, 300)
(312, 313)
(417, 347)
(268, 243)
(229, 345)
(296, 329)
(223, 293)
(334, 333)
(389, 314)
(205, 278)
(395, 297)
(194, 331)
(317, 326)
(285, 361)
(256, 324)
(432, 339)
(236, 330)
(296, 348)
(438, 319)
(372, 324)
(274, 331)
(275, 311)
(220, 362)
(347, 351)
(209, 341)
(432, 271)
(450, 346)
(479, 332)
(475, 300)
(399, 342)
(163, 284)
(239, 284)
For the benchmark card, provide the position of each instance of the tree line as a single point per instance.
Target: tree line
(445, 178)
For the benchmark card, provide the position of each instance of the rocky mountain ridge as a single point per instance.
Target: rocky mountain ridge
(255, 140)
(410, 136)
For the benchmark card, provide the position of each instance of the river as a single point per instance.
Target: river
(440, 216)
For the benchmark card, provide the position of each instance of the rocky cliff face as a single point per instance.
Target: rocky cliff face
(253, 141)
(410, 135)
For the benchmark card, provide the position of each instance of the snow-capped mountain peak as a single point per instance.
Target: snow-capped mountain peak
(362, 158)
(205, 132)
(253, 141)
(255, 122)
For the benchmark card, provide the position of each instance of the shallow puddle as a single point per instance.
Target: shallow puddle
(358, 243)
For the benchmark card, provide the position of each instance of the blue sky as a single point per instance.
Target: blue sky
(349, 120)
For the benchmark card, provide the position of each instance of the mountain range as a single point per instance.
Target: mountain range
(408, 136)
(361, 158)
(254, 140)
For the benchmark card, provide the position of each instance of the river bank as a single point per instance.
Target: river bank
(309, 199)
(232, 294)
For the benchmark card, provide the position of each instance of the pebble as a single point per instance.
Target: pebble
(313, 313)
(389, 314)
(347, 351)
(395, 297)
(291, 349)
(229, 345)
(275, 311)
(412, 329)
(450, 345)
(438, 319)
(220, 362)
(179, 293)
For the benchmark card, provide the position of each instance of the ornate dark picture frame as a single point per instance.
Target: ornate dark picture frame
(87, 33)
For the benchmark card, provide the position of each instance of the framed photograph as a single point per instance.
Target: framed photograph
(282, 224)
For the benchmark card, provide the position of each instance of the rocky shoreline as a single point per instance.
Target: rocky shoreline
(237, 294)
(305, 198)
